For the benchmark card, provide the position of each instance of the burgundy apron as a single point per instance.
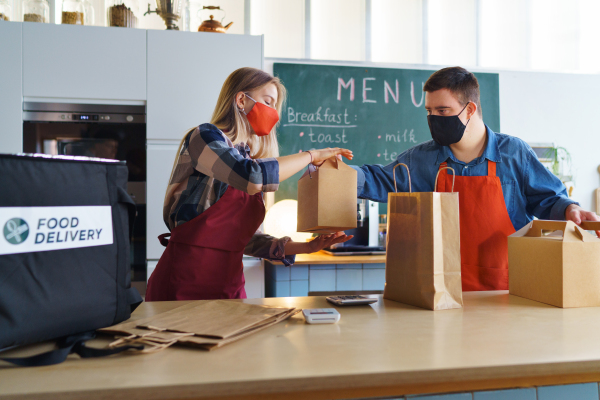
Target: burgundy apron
(203, 258)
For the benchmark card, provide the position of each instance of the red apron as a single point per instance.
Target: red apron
(203, 258)
(484, 228)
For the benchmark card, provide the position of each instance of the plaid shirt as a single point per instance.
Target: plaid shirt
(207, 165)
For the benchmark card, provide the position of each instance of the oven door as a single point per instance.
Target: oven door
(96, 131)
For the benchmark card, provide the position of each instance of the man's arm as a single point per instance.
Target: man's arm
(547, 196)
(375, 181)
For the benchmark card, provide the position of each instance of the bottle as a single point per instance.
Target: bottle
(36, 11)
(122, 13)
(185, 16)
(88, 12)
(73, 12)
(5, 10)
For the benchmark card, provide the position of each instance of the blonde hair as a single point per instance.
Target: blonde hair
(229, 119)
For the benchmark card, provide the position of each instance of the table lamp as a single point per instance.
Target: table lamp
(282, 219)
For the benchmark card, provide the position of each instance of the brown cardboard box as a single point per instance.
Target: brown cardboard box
(327, 198)
(555, 262)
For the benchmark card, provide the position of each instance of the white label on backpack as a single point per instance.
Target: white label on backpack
(32, 229)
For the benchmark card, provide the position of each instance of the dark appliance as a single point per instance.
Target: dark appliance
(101, 131)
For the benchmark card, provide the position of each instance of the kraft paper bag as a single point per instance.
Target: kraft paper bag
(555, 262)
(205, 324)
(422, 266)
(327, 198)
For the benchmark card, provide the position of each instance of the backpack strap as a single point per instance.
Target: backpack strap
(67, 345)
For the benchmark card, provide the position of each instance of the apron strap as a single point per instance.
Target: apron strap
(491, 168)
(163, 239)
(441, 187)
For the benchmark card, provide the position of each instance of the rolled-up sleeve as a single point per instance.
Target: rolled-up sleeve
(271, 248)
(212, 155)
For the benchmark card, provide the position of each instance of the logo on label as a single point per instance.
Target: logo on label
(16, 231)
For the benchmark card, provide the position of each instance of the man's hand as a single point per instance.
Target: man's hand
(577, 214)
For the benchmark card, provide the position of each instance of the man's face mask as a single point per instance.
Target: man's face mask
(447, 130)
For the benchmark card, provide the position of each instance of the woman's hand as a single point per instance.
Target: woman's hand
(323, 241)
(319, 156)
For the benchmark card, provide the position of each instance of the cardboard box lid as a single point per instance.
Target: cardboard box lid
(571, 231)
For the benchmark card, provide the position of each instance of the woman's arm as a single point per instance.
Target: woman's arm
(284, 249)
(289, 165)
(211, 154)
(319, 243)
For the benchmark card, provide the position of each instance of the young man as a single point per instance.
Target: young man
(501, 183)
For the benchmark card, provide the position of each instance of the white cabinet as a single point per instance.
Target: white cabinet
(11, 121)
(185, 73)
(254, 273)
(83, 62)
(160, 157)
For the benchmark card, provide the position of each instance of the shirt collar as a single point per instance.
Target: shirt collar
(491, 152)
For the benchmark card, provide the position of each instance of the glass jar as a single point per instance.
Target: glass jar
(195, 14)
(185, 16)
(5, 10)
(36, 11)
(89, 13)
(122, 13)
(73, 12)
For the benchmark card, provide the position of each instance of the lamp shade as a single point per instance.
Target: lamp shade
(282, 220)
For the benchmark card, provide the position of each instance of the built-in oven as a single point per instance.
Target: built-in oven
(96, 130)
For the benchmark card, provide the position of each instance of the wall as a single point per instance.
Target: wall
(540, 107)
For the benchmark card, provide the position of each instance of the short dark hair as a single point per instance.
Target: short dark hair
(462, 83)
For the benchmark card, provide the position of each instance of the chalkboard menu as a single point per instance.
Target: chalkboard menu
(376, 112)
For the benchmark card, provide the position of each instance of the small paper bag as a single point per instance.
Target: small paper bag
(422, 266)
(327, 198)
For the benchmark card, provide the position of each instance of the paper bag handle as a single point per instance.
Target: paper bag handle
(438, 175)
(394, 173)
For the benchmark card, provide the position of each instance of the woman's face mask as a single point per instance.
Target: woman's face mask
(447, 130)
(261, 117)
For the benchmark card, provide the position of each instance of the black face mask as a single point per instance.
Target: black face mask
(446, 130)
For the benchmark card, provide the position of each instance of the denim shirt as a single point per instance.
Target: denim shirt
(530, 189)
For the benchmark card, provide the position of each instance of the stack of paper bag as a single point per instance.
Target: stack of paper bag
(327, 198)
(207, 324)
(555, 262)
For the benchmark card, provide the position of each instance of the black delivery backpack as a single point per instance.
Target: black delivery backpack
(64, 249)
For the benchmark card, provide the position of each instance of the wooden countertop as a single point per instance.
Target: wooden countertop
(387, 349)
(324, 258)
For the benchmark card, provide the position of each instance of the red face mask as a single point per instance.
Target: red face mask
(262, 118)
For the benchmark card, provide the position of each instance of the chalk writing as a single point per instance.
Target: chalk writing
(328, 137)
(342, 84)
(412, 94)
(295, 118)
(406, 137)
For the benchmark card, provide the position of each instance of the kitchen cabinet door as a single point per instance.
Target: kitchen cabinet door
(254, 274)
(160, 157)
(84, 62)
(11, 132)
(185, 73)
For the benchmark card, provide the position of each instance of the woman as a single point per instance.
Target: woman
(214, 204)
